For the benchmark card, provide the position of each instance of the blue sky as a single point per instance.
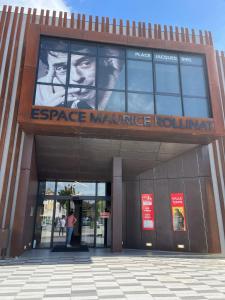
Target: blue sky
(197, 14)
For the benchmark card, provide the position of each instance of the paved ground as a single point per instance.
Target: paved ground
(136, 275)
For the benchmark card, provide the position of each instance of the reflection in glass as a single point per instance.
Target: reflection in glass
(82, 70)
(196, 107)
(101, 189)
(83, 48)
(76, 188)
(59, 227)
(191, 60)
(193, 81)
(139, 76)
(43, 228)
(88, 223)
(54, 44)
(111, 51)
(100, 222)
(111, 73)
(140, 103)
(50, 188)
(49, 95)
(52, 67)
(116, 100)
(168, 105)
(167, 78)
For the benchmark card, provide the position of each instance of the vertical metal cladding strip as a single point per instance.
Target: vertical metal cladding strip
(5, 80)
(12, 130)
(3, 53)
(5, 33)
(2, 21)
(15, 193)
(10, 116)
(222, 83)
(3, 102)
(217, 198)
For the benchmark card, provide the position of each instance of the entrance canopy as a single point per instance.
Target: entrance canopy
(76, 158)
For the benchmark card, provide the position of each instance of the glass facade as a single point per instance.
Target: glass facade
(88, 201)
(94, 76)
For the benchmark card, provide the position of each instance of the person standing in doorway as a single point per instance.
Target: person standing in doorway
(71, 220)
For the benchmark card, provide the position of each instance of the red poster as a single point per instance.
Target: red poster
(178, 213)
(147, 208)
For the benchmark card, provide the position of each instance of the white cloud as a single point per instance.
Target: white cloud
(58, 5)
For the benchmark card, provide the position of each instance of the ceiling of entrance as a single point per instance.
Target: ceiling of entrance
(78, 158)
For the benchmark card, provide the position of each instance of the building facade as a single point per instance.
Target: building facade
(122, 124)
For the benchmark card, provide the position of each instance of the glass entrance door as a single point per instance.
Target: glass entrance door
(88, 223)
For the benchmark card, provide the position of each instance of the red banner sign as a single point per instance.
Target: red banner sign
(178, 213)
(104, 215)
(147, 208)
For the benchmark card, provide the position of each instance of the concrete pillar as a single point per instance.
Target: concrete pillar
(117, 205)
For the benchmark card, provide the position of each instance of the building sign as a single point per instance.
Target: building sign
(178, 213)
(104, 215)
(147, 209)
(88, 116)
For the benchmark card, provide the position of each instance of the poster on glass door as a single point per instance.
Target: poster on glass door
(178, 211)
(147, 208)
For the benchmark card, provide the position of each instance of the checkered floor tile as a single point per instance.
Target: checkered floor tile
(130, 275)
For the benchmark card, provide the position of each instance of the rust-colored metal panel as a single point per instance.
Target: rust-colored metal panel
(190, 164)
(187, 38)
(175, 168)
(2, 19)
(194, 216)
(220, 188)
(165, 33)
(150, 30)
(133, 218)
(41, 20)
(193, 37)
(13, 132)
(23, 188)
(72, 21)
(96, 24)
(164, 235)
(8, 55)
(121, 27)
(65, 19)
(83, 22)
(103, 25)
(9, 74)
(177, 34)
(211, 223)
(201, 37)
(47, 17)
(54, 18)
(60, 19)
(203, 161)
(107, 24)
(171, 33)
(182, 35)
